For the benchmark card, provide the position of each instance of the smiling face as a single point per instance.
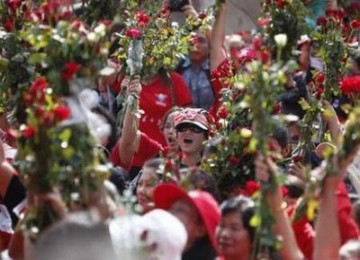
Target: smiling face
(169, 131)
(190, 138)
(232, 238)
(145, 188)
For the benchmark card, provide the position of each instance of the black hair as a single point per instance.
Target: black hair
(244, 207)
(155, 164)
(206, 182)
(281, 135)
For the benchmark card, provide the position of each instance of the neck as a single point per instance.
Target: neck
(191, 159)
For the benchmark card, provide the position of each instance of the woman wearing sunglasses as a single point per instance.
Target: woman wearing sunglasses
(192, 130)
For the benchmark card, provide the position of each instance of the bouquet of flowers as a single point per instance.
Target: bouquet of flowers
(283, 17)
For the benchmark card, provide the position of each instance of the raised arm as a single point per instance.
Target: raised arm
(289, 249)
(130, 136)
(217, 51)
(327, 247)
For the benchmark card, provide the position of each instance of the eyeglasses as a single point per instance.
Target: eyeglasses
(192, 128)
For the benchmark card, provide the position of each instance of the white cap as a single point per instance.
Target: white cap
(156, 235)
(166, 232)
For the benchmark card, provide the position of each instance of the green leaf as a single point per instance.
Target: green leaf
(65, 135)
(304, 104)
(255, 221)
(37, 58)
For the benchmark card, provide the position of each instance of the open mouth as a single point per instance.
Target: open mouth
(188, 140)
(171, 140)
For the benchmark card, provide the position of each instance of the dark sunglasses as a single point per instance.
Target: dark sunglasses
(192, 128)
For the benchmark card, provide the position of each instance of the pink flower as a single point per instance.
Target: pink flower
(133, 33)
(262, 22)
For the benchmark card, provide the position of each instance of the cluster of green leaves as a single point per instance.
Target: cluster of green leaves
(285, 18)
(333, 50)
(53, 48)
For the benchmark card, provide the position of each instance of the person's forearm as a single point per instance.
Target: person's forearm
(289, 249)
(217, 52)
(129, 136)
(327, 247)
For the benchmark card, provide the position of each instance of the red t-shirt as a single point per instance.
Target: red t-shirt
(156, 99)
(224, 70)
(148, 149)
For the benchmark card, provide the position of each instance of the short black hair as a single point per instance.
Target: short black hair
(245, 207)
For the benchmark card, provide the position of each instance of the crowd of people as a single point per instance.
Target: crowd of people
(157, 163)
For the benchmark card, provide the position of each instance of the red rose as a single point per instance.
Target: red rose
(234, 161)
(142, 19)
(350, 85)
(280, 3)
(202, 15)
(250, 188)
(51, 6)
(277, 108)
(29, 132)
(9, 24)
(297, 158)
(39, 111)
(62, 112)
(265, 56)
(354, 6)
(38, 88)
(285, 191)
(169, 164)
(257, 43)
(319, 92)
(13, 4)
(70, 70)
(48, 119)
(133, 33)
(223, 112)
(321, 21)
(355, 24)
(320, 78)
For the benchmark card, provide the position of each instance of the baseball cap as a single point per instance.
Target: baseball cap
(194, 116)
(208, 208)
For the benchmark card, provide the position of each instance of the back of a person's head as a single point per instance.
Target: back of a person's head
(77, 237)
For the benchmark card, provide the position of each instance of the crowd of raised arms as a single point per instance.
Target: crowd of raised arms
(210, 146)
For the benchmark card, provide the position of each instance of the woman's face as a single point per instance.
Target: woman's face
(232, 238)
(190, 138)
(169, 131)
(145, 188)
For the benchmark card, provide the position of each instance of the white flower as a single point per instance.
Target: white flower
(281, 40)
(100, 29)
(91, 37)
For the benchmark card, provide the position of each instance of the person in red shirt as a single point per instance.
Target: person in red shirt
(157, 97)
(134, 147)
